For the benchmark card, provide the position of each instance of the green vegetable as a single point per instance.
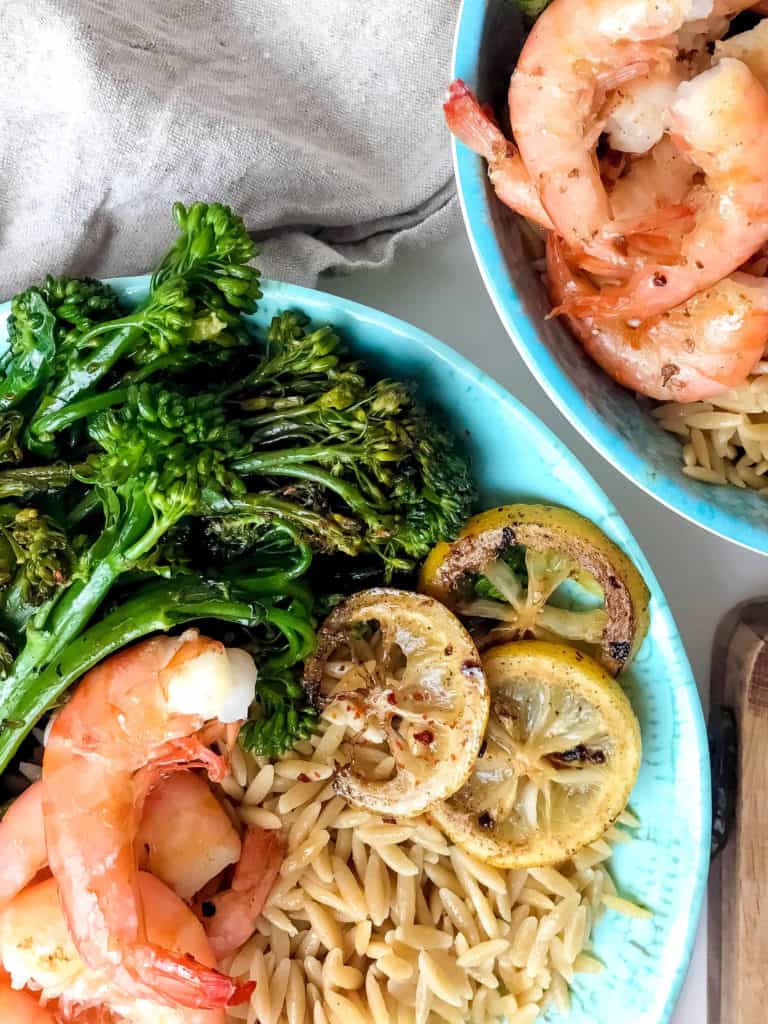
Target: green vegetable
(285, 716)
(533, 8)
(166, 464)
(11, 426)
(77, 305)
(36, 559)
(27, 481)
(200, 289)
(370, 471)
(32, 347)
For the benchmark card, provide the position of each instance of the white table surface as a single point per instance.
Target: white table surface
(440, 290)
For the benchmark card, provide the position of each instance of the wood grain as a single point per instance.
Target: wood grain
(738, 914)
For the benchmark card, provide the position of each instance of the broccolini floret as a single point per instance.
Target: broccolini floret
(78, 304)
(201, 288)
(36, 560)
(366, 452)
(284, 716)
(29, 359)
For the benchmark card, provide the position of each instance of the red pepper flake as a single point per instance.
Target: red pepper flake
(472, 669)
(425, 736)
(303, 777)
(391, 697)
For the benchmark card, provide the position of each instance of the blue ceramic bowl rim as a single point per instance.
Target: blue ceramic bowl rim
(295, 296)
(558, 386)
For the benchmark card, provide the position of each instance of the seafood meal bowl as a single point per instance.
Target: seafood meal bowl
(618, 424)
(642, 794)
(515, 458)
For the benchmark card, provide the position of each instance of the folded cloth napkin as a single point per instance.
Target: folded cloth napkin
(318, 120)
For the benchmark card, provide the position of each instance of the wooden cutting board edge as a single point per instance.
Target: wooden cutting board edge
(738, 886)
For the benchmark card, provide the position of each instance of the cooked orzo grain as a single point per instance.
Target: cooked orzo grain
(725, 440)
(376, 921)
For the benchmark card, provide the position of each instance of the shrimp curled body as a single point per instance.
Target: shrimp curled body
(127, 726)
(577, 53)
(718, 120)
(22, 843)
(38, 950)
(693, 352)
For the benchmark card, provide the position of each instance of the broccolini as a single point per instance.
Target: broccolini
(167, 463)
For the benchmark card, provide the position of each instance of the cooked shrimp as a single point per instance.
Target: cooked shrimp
(230, 917)
(475, 127)
(638, 113)
(186, 838)
(17, 1007)
(709, 344)
(651, 199)
(133, 718)
(37, 950)
(201, 843)
(719, 120)
(22, 843)
(577, 52)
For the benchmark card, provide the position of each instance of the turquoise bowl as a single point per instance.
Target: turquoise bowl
(516, 458)
(488, 39)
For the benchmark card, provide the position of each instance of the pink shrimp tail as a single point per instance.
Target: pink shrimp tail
(472, 124)
(177, 756)
(182, 981)
(230, 917)
(599, 304)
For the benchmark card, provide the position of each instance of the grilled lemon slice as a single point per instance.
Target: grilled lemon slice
(538, 571)
(561, 754)
(402, 673)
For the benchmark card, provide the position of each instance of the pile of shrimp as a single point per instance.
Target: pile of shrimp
(124, 875)
(641, 149)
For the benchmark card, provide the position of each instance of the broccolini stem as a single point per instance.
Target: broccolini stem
(306, 521)
(156, 607)
(292, 463)
(82, 374)
(58, 623)
(89, 503)
(51, 422)
(276, 583)
(299, 633)
(174, 360)
(286, 408)
(31, 480)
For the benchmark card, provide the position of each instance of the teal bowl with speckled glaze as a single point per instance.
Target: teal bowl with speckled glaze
(489, 36)
(516, 458)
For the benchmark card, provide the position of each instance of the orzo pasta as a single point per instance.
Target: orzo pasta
(725, 440)
(380, 921)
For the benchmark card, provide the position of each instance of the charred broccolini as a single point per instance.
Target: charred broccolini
(120, 462)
